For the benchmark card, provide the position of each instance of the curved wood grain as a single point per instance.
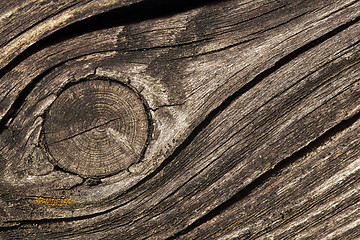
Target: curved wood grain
(219, 125)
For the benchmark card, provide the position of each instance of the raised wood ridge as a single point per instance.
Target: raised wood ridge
(196, 120)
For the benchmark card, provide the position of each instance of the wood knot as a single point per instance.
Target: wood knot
(96, 128)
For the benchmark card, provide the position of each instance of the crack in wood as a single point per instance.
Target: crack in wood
(241, 91)
(283, 163)
(37, 23)
(274, 169)
(115, 17)
(83, 131)
(272, 172)
(166, 106)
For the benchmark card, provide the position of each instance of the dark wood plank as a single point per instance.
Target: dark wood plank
(232, 89)
(316, 197)
(25, 22)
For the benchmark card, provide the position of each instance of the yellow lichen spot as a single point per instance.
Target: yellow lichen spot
(177, 222)
(343, 69)
(272, 167)
(337, 155)
(230, 226)
(52, 202)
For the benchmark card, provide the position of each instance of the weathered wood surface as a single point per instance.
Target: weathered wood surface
(229, 120)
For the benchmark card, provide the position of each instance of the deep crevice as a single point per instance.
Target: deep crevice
(52, 39)
(37, 23)
(51, 220)
(285, 162)
(120, 16)
(273, 172)
(19, 101)
(145, 10)
(226, 103)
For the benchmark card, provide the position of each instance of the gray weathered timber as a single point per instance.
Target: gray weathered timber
(219, 120)
(321, 207)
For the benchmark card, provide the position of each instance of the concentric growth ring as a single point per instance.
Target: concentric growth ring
(96, 128)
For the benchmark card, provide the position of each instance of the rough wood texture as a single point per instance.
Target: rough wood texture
(209, 120)
(96, 128)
